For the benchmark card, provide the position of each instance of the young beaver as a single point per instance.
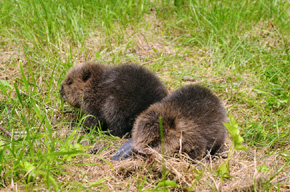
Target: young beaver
(113, 96)
(192, 119)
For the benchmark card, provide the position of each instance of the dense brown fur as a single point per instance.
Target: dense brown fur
(192, 119)
(113, 96)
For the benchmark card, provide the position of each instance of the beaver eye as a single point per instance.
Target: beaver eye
(154, 144)
(69, 82)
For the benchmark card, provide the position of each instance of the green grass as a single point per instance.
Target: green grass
(239, 49)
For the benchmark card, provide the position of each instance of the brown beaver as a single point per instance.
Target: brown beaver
(192, 120)
(111, 96)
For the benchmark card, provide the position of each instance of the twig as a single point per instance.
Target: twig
(70, 111)
(6, 132)
(280, 180)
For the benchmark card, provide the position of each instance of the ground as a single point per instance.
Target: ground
(238, 49)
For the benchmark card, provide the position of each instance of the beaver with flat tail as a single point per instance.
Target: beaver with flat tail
(192, 120)
(111, 96)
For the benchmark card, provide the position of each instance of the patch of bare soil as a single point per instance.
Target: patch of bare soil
(7, 71)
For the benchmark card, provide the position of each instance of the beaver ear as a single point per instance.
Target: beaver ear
(86, 75)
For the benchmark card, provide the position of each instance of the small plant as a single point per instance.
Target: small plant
(232, 126)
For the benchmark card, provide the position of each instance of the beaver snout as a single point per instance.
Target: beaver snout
(61, 91)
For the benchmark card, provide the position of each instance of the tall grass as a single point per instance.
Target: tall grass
(240, 49)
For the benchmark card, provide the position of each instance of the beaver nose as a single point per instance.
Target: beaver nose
(61, 91)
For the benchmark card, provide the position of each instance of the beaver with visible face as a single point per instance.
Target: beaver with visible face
(192, 119)
(111, 96)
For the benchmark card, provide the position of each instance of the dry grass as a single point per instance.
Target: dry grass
(198, 176)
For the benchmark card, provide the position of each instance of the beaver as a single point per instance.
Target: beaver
(111, 96)
(192, 120)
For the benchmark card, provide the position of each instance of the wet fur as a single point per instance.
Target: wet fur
(192, 114)
(113, 96)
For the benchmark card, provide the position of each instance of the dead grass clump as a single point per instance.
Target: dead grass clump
(145, 173)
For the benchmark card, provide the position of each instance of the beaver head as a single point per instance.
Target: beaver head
(146, 132)
(78, 78)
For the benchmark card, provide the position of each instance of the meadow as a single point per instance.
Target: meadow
(238, 49)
